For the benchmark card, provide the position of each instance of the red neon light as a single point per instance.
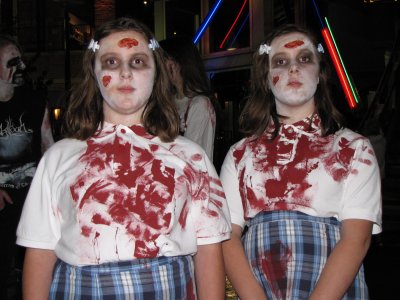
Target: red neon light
(233, 25)
(339, 68)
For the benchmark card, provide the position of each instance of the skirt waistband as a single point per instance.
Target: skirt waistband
(130, 265)
(280, 215)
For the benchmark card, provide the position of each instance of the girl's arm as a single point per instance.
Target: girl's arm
(209, 272)
(37, 273)
(345, 260)
(238, 268)
(46, 132)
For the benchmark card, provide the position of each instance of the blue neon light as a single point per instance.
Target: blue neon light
(206, 21)
(240, 29)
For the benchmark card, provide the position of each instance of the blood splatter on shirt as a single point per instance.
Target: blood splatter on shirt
(301, 170)
(125, 194)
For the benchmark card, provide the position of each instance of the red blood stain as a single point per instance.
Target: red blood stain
(183, 215)
(238, 154)
(294, 44)
(190, 290)
(145, 250)
(134, 186)
(274, 265)
(128, 43)
(106, 80)
(86, 231)
(278, 178)
(197, 157)
(275, 80)
(98, 219)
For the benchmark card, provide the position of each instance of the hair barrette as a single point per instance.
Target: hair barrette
(264, 49)
(320, 48)
(94, 45)
(153, 45)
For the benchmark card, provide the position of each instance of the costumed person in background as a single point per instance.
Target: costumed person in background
(125, 204)
(307, 188)
(192, 92)
(25, 132)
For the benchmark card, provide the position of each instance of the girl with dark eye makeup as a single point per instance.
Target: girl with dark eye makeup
(124, 207)
(302, 190)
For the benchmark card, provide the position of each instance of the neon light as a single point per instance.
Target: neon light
(240, 29)
(233, 24)
(318, 15)
(338, 67)
(206, 21)
(348, 89)
(341, 60)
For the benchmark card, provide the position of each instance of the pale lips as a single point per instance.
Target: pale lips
(126, 89)
(294, 84)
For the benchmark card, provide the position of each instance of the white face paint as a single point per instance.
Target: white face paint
(6, 54)
(125, 72)
(293, 75)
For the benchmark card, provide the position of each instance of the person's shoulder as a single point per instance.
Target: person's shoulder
(242, 148)
(184, 142)
(185, 148)
(65, 146)
(201, 100)
(348, 136)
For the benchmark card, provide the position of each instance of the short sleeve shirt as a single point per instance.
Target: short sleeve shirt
(325, 176)
(121, 195)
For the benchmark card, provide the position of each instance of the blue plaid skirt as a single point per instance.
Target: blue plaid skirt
(141, 279)
(287, 251)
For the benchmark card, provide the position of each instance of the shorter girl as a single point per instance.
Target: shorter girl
(308, 189)
(124, 208)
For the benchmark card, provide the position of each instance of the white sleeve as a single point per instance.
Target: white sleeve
(362, 194)
(201, 124)
(209, 209)
(38, 226)
(230, 182)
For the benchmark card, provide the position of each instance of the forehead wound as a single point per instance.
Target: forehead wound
(292, 43)
(128, 43)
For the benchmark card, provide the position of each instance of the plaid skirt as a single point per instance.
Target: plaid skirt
(158, 278)
(287, 251)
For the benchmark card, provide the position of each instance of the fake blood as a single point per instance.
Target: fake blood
(294, 44)
(128, 43)
(274, 265)
(124, 187)
(106, 80)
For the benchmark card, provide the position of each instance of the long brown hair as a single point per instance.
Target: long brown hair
(84, 113)
(192, 70)
(260, 108)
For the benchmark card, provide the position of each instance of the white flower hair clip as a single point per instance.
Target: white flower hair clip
(94, 45)
(320, 48)
(153, 45)
(264, 49)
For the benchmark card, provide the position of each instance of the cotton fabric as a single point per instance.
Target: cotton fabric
(122, 195)
(287, 251)
(332, 176)
(198, 121)
(164, 278)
